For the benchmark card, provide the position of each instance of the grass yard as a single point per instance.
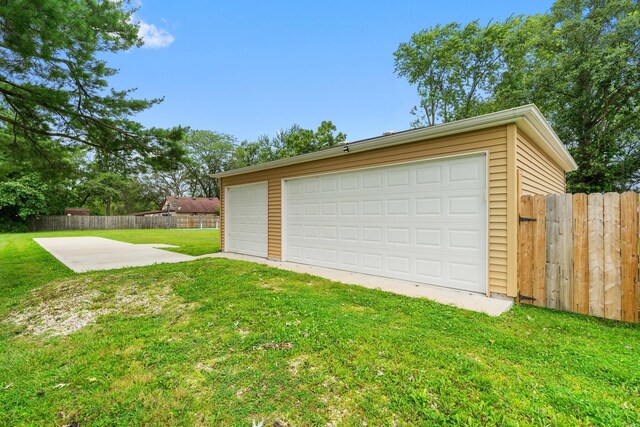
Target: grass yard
(219, 342)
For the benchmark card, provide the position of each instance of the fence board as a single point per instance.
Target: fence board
(526, 242)
(565, 252)
(539, 257)
(580, 255)
(62, 223)
(612, 285)
(596, 254)
(552, 265)
(629, 255)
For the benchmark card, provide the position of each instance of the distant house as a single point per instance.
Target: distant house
(76, 211)
(186, 206)
(191, 205)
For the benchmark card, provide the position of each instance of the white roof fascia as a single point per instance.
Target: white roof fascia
(527, 117)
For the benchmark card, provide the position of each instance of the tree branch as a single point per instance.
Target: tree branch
(45, 132)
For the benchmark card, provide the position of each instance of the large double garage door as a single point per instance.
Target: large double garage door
(422, 221)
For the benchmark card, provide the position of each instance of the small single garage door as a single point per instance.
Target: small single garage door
(246, 219)
(422, 221)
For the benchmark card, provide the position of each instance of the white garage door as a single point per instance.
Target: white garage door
(423, 221)
(246, 219)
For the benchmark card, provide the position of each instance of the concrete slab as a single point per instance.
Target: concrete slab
(467, 300)
(83, 254)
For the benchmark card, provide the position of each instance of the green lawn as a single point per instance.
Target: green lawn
(219, 342)
(190, 242)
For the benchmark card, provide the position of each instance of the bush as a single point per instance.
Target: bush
(11, 225)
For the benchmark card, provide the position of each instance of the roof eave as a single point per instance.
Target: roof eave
(528, 117)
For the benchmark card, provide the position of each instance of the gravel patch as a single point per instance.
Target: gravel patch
(62, 308)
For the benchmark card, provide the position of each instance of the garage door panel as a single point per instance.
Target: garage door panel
(433, 204)
(461, 238)
(456, 273)
(424, 221)
(246, 219)
(382, 249)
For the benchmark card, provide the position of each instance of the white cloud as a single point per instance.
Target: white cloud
(154, 37)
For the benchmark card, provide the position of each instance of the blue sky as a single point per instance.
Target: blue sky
(250, 68)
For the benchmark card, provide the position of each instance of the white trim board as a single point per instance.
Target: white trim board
(527, 117)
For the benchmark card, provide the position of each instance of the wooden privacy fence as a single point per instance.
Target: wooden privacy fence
(580, 253)
(62, 223)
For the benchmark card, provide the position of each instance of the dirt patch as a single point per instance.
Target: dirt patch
(273, 284)
(61, 308)
(357, 309)
(271, 345)
(335, 416)
(298, 363)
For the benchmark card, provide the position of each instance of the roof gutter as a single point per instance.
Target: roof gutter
(527, 117)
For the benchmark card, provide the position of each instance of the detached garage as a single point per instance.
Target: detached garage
(435, 205)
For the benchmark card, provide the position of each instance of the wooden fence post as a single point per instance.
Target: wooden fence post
(525, 249)
(553, 267)
(595, 210)
(580, 255)
(612, 285)
(565, 251)
(629, 255)
(539, 258)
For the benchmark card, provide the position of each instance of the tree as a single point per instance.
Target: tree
(585, 75)
(251, 153)
(174, 182)
(287, 143)
(53, 86)
(578, 63)
(110, 180)
(30, 195)
(454, 68)
(296, 140)
(207, 153)
(23, 197)
(35, 179)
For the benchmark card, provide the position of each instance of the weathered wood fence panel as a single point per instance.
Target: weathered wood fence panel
(63, 223)
(596, 254)
(197, 221)
(629, 232)
(580, 253)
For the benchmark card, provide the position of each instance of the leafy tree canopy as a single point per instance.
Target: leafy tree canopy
(455, 68)
(579, 63)
(53, 85)
(287, 143)
(208, 152)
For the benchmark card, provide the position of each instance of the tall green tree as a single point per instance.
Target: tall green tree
(251, 153)
(297, 140)
(53, 82)
(208, 152)
(289, 142)
(106, 176)
(578, 63)
(35, 179)
(584, 72)
(455, 68)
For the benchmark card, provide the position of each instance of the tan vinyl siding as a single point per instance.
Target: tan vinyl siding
(275, 218)
(492, 140)
(539, 174)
